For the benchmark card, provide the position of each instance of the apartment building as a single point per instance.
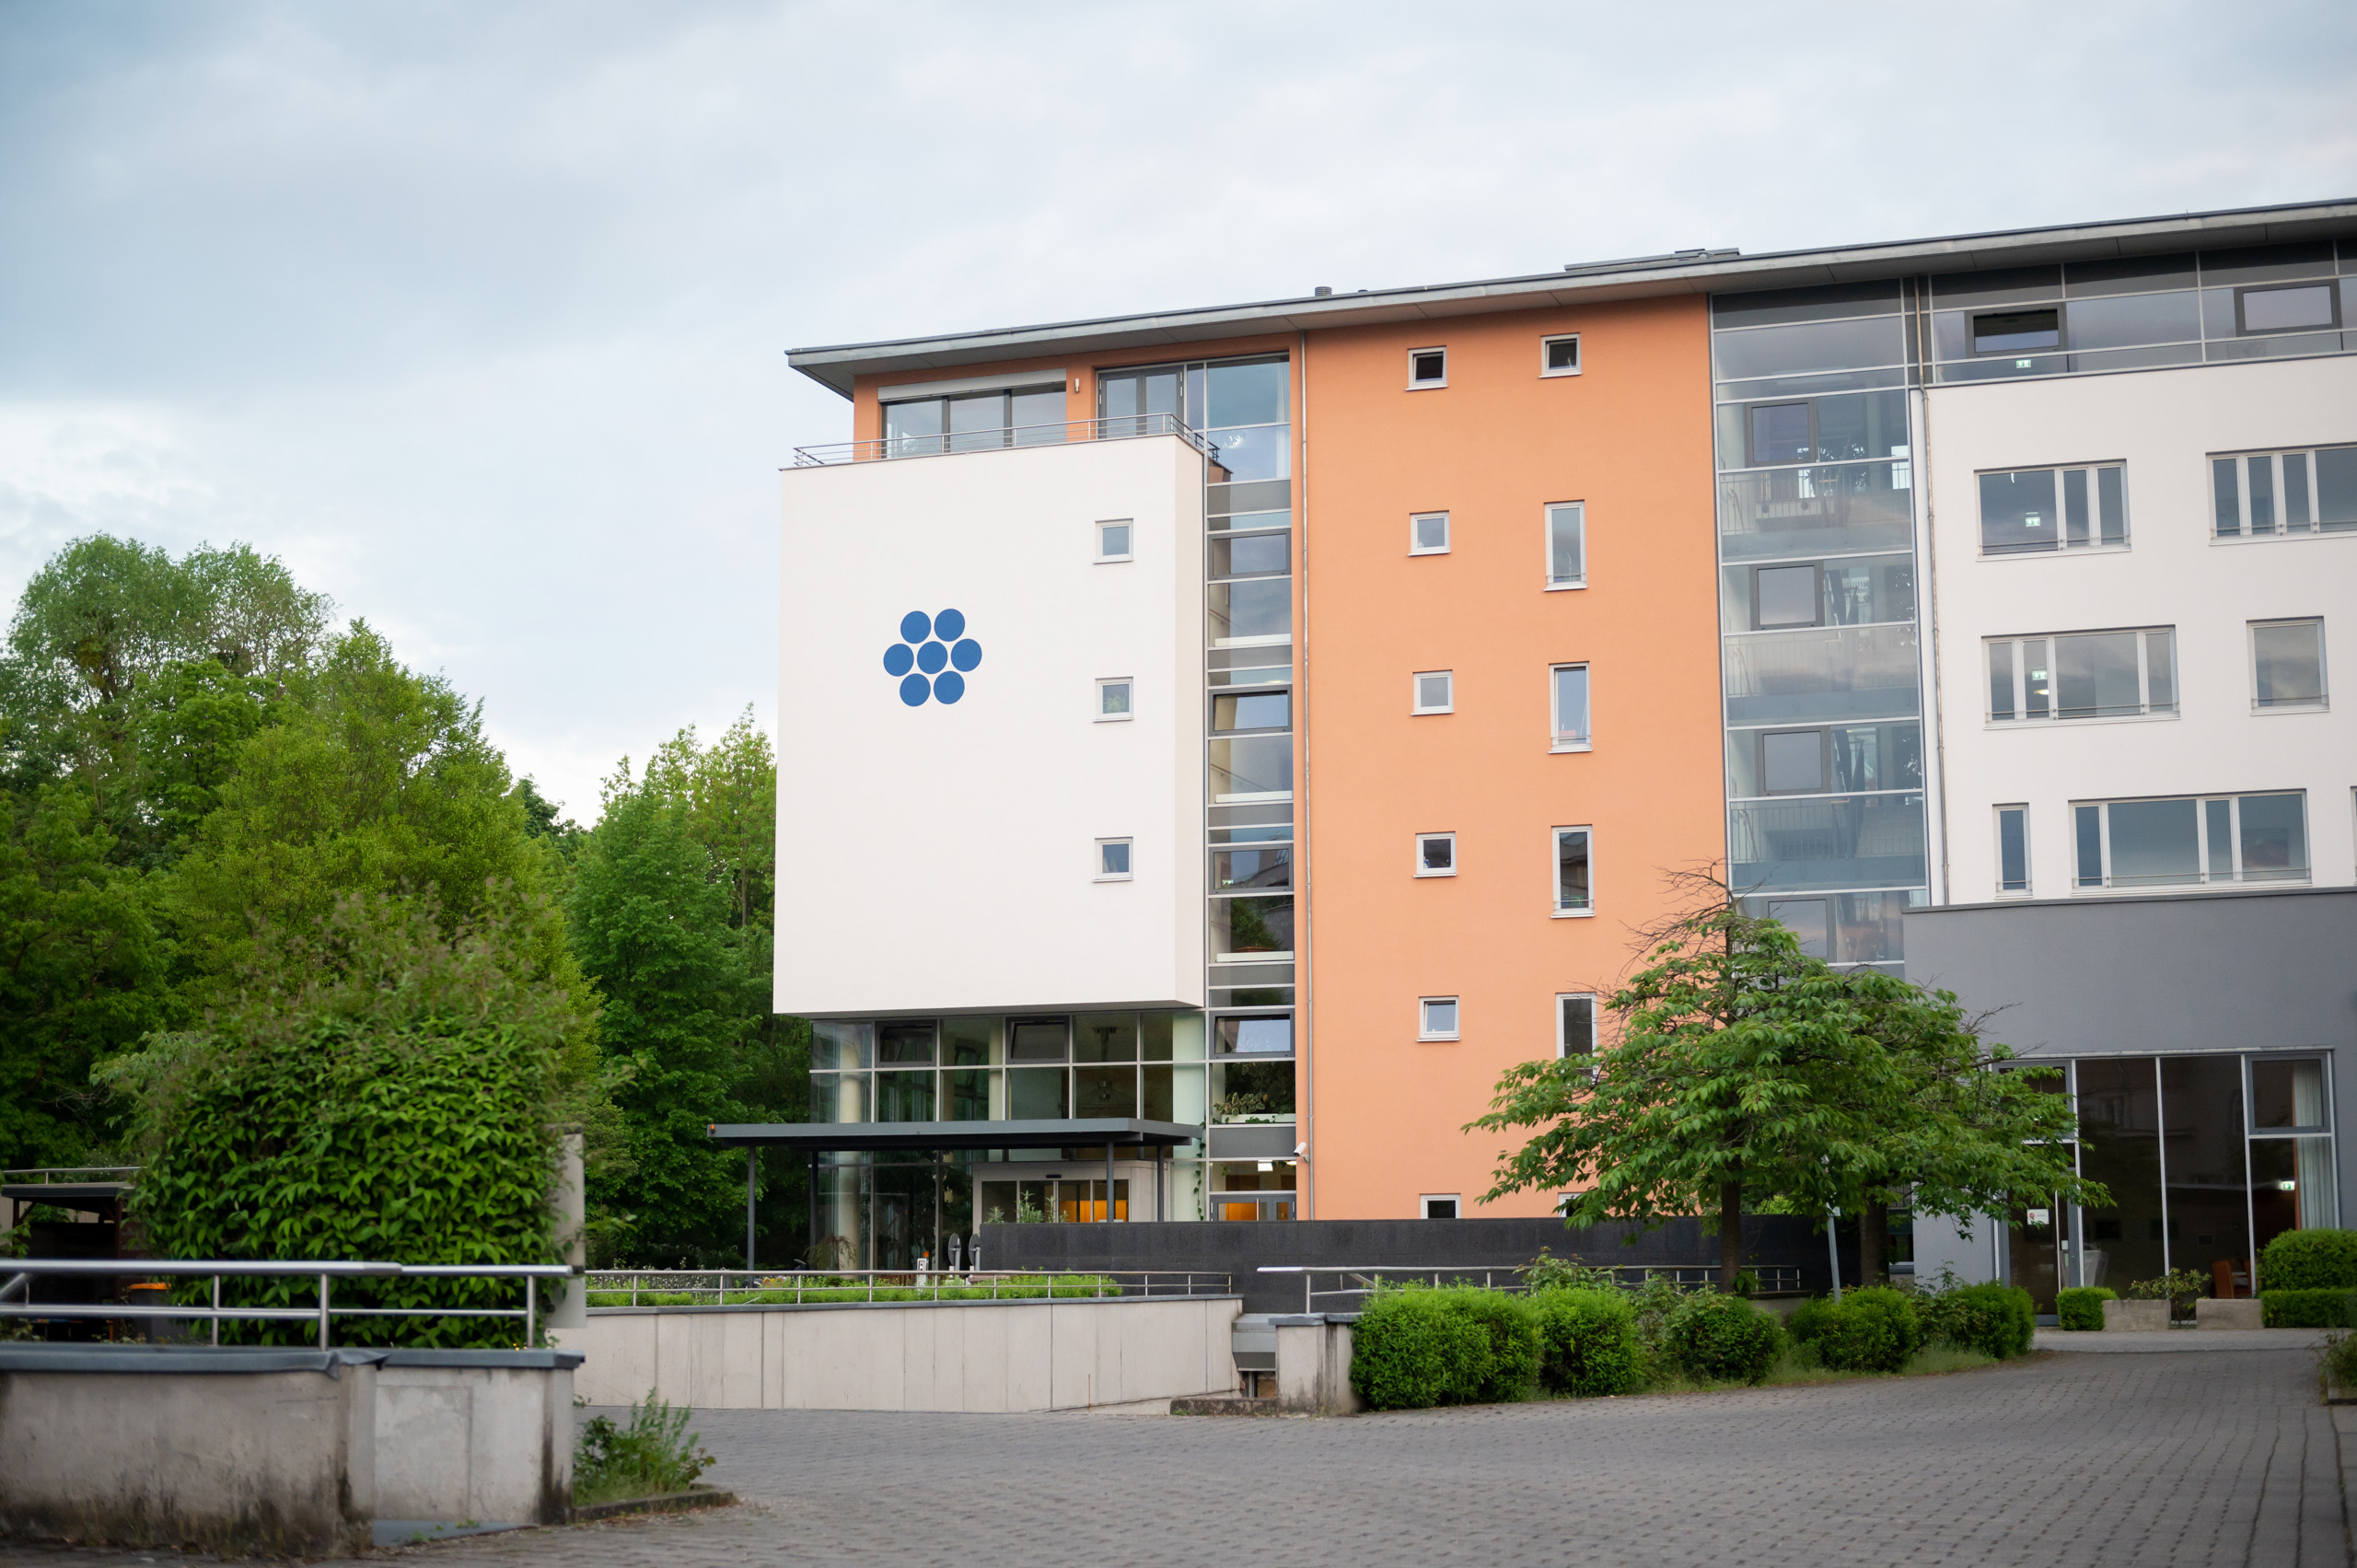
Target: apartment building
(1255, 729)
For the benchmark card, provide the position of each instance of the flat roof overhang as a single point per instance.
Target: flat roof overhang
(1697, 273)
(819, 1137)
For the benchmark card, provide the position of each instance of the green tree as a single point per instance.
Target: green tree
(1748, 1075)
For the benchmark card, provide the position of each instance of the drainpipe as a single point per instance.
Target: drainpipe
(1305, 1179)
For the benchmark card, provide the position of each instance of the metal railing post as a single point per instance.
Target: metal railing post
(531, 1309)
(217, 1312)
(323, 1312)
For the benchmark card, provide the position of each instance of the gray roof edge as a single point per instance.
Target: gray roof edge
(834, 364)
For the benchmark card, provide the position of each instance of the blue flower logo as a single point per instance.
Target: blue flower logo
(932, 657)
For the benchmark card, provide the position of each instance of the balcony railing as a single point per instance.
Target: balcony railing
(1124, 427)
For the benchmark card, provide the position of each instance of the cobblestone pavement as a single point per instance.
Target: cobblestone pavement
(2162, 1458)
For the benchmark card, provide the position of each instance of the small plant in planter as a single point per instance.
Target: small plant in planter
(2180, 1287)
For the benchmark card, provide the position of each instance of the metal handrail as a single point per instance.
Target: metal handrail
(829, 1284)
(1771, 1276)
(322, 1269)
(957, 443)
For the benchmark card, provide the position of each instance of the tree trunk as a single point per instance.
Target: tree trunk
(1873, 1225)
(1730, 1233)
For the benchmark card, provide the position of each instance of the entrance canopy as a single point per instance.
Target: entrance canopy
(817, 1137)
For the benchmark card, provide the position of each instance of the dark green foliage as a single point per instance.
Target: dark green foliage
(1410, 1350)
(1997, 1321)
(655, 1453)
(2340, 1363)
(1807, 1317)
(2308, 1308)
(1721, 1338)
(2081, 1307)
(1875, 1329)
(2310, 1259)
(1510, 1325)
(1588, 1341)
(378, 1091)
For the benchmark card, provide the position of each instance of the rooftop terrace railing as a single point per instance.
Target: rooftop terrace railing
(15, 1291)
(622, 1288)
(1774, 1279)
(1124, 427)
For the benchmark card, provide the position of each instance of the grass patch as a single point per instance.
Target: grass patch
(1798, 1365)
(654, 1453)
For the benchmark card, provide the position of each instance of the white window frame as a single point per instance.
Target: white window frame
(2053, 715)
(1416, 692)
(2323, 701)
(1416, 386)
(1424, 870)
(1415, 544)
(1560, 738)
(1555, 871)
(2062, 545)
(1130, 706)
(2203, 876)
(1131, 845)
(1545, 369)
(1425, 1202)
(1547, 545)
(1424, 1029)
(2280, 526)
(1997, 826)
(1595, 1024)
(1109, 558)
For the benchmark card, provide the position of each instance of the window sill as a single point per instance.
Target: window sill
(1437, 1040)
(2322, 706)
(1427, 386)
(2169, 717)
(1567, 587)
(2342, 532)
(2300, 879)
(1274, 640)
(2122, 548)
(1433, 876)
(1443, 550)
(1282, 956)
(1113, 879)
(1429, 713)
(1571, 745)
(1115, 560)
(1589, 914)
(1267, 798)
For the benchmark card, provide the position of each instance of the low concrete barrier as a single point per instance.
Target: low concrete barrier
(950, 1355)
(288, 1452)
(1314, 1363)
(2218, 1312)
(2136, 1316)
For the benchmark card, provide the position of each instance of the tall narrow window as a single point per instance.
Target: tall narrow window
(2013, 849)
(1571, 707)
(1567, 545)
(2287, 664)
(1575, 1023)
(1574, 892)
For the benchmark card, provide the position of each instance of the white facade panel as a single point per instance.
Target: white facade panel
(944, 856)
(2162, 425)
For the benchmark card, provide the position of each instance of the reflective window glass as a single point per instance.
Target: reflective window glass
(2016, 332)
(1259, 710)
(2135, 319)
(903, 1043)
(1248, 394)
(2153, 843)
(1566, 545)
(2097, 677)
(1780, 433)
(1786, 595)
(2287, 661)
(1792, 761)
(1251, 868)
(1035, 1040)
(2287, 1093)
(2013, 849)
(1253, 1036)
(2017, 511)
(2287, 309)
(1806, 919)
(2274, 837)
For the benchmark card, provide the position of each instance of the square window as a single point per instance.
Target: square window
(1575, 1023)
(2287, 665)
(1792, 761)
(1436, 855)
(1436, 1017)
(1574, 893)
(1567, 545)
(1569, 683)
(1784, 596)
(1560, 356)
(1113, 860)
(1780, 433)
(1427, 367)
(2012, 849)
(1428, 533)
(2016, 332)
(1439, 1206)
(1113, 539)
(1436, 692)
(1113, 699)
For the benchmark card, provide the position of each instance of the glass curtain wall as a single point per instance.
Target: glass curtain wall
(1826, 826)
(1244, 407)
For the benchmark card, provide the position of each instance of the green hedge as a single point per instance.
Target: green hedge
(2308, 1308)
(1419, 1347)
(2081, 1307)
(1875, 1329)
(1588, 1341)
(2310, 1260)
(1997, 1321)
(1721, 1338)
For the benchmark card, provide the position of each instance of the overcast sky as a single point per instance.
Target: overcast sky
(475, 312)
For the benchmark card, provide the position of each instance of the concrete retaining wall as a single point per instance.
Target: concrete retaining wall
(960, 1356)
(485, 1435)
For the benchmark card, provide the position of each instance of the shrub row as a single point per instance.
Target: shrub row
(2310, 1260)
(2081, 1306)
(2308, 1308)
(1878, 1328)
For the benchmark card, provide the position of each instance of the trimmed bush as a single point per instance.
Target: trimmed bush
(2308, 1308)
(1587, 1342)
(1997, 1321)
(1875, 1329)
(1410, 1351)
(2081, 1306)
(1809, 1318)
(2310, 1260)
(1509, 1325)
(1721, 1338)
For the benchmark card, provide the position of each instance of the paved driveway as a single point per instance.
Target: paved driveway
(2170, 1458)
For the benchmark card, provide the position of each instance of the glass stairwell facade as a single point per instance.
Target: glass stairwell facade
(1821, 650)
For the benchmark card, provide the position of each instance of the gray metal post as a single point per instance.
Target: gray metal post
(323, 1312)
(810, 1241)
(531, 1312)
(217, 1311)
(752, 1170)
(1834, 1250)
(1109, 1181)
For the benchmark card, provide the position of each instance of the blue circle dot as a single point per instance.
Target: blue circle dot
(949, 625)
(930, 658)
(915, 689)
(967, 653)
(915, 626)
(898, 659)
(948, 686)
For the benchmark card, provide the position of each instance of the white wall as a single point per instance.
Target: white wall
(2163, 425)
(944, 857)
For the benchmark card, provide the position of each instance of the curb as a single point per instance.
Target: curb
(1223, 1404)
(659, 1503)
